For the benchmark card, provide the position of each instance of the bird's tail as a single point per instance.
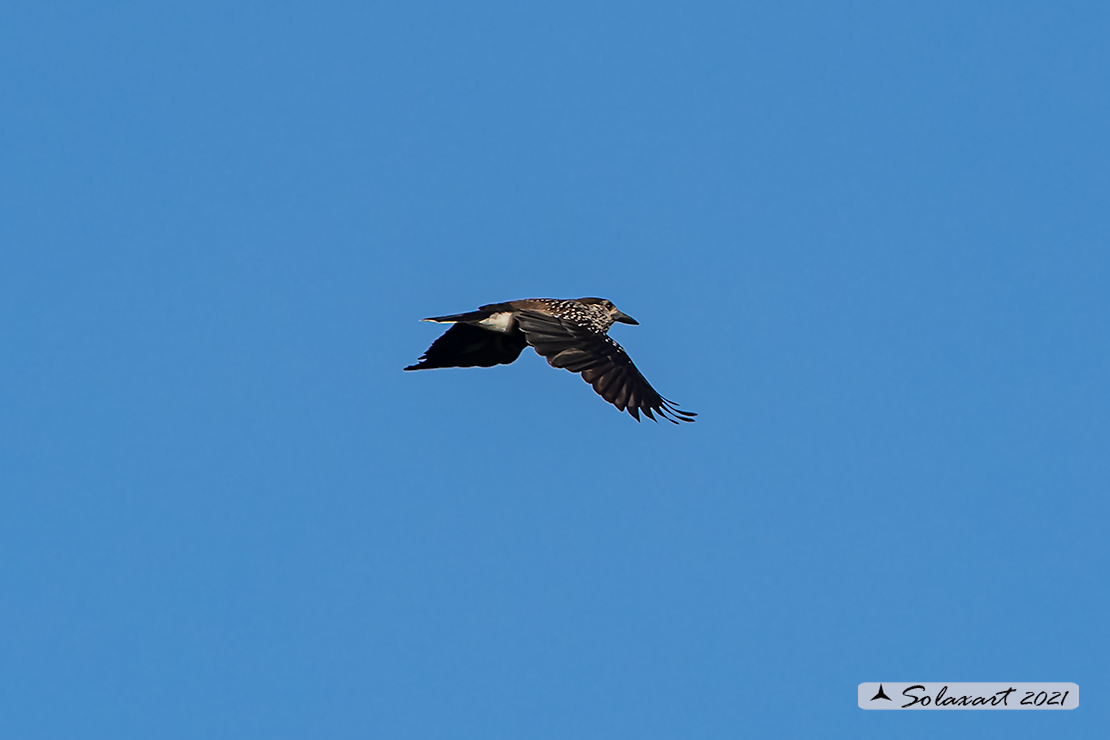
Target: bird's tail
(456, 318)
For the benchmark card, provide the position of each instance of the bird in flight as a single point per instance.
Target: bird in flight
(571, 334)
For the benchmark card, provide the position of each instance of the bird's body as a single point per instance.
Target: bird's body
(571, 334)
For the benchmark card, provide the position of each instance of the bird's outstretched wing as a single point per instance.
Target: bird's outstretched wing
(602, 362)
(464, 345)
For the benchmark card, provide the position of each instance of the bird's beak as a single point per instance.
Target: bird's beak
(625, 319)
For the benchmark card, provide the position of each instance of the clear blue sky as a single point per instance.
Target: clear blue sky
(869, 243)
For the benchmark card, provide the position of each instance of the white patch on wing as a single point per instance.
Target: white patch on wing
(502, 322)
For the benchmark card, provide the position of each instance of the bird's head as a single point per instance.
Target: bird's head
(614, 313)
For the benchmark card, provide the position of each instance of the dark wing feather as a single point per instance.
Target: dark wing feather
(602, 363)
(464, 345)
